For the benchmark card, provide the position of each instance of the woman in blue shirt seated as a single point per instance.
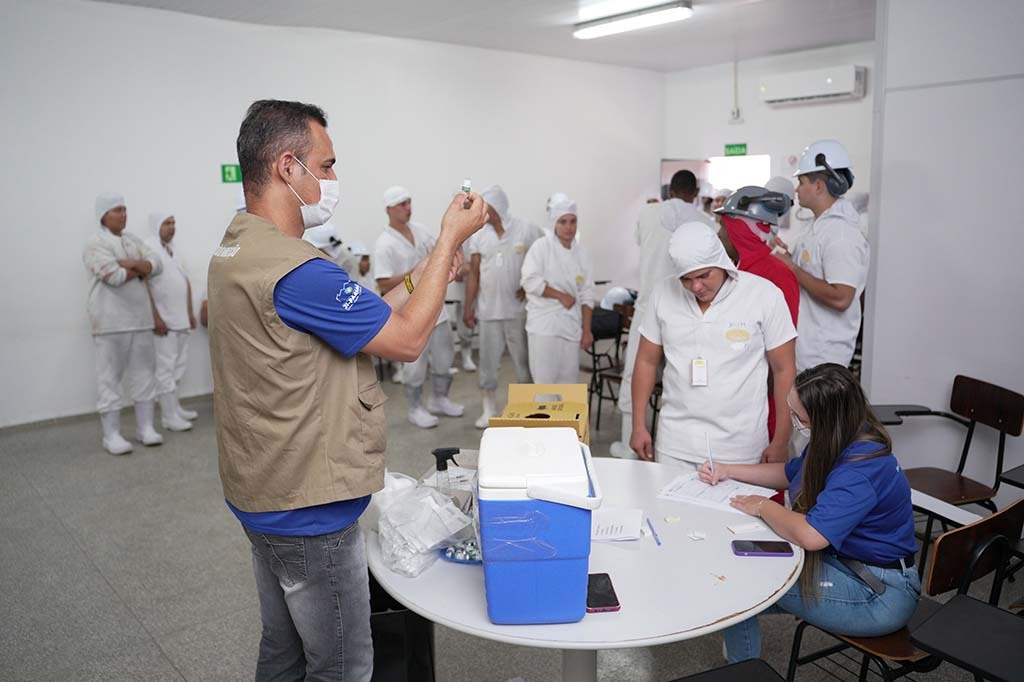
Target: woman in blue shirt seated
(851, 514)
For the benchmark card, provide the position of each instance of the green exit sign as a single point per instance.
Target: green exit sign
(730, 150)
(230, 172)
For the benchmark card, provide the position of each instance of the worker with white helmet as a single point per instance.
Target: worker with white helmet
(121, 317)
(719, 331)
(328, 239)
(398, 249)
(495, 300)
(559, 284)
(654, 227)
(830, 260)
(173, 321)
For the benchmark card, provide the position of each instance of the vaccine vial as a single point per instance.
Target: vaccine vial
(467, 186)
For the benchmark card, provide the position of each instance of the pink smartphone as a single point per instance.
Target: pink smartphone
(601, 595)
(761, 548)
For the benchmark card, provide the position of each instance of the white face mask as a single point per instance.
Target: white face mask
(314, 215)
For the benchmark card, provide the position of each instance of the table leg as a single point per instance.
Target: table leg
(579, 665)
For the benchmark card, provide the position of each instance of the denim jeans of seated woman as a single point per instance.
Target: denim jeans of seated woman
(315, 605)
(845, 606)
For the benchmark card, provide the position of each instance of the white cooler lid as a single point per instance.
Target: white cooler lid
(510, 457)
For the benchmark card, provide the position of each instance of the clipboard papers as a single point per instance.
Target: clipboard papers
(689, 488)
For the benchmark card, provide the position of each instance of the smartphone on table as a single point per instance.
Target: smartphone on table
(762, 548)
(601, 595)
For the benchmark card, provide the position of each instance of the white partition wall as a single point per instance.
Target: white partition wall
(99, 97)
(946, 295)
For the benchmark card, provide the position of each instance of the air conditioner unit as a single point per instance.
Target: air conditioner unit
(820, 85)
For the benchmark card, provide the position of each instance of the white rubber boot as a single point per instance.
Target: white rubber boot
(144, 431)
(620, 448)
(113, 441)
(182, 412)
(169, 417)
(467, 359)
(439, 402)
(418, 415)
(490, 408)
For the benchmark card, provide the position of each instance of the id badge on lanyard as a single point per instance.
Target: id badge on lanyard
(698, 372)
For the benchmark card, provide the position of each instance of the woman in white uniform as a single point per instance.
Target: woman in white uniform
(173, 321)
(118, 264)
(559, 284)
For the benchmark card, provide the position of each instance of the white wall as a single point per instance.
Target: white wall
(698, 102)
(99, 97)
(947, 283)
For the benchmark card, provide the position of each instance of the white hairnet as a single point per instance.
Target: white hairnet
(782, 185)
(358, 248)
(395, 195)
(156, 219)
(240, 200)
(723, 192)
(556, 197)
(496, 198)
(706, 190)
(107, 201)
(560, 207)
(695, 246)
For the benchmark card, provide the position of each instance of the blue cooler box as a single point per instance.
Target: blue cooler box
(537, 489)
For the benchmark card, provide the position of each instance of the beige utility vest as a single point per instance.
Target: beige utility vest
(298, 424)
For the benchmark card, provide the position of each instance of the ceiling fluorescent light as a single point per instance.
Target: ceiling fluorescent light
(631, 21)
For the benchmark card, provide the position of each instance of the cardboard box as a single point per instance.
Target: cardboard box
(547, 405)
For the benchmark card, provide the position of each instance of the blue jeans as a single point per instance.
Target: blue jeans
(315, 606)
(845, 606)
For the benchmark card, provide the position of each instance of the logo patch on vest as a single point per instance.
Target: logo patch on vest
(226, 251)
(349, 294)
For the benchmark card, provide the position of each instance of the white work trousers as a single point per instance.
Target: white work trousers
(464, 333)
(171, 358)
(438, 354)
(495, 336)
(126, 358)
(554, 360)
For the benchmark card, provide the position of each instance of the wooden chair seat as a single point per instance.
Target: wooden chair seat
(948, 486)
(897, 646)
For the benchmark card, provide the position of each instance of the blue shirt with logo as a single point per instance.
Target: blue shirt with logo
(320, 299)
(864, 510)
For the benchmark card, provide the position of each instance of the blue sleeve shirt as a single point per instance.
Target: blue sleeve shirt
(864, 510)
(319, 298)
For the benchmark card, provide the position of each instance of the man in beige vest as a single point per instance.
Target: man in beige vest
(300, 418)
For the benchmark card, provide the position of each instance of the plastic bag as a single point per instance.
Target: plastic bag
(415, 524)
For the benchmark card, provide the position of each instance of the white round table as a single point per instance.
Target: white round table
(680, 589)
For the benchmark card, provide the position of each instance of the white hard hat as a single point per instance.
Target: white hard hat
(781, 184)
(706, 190)
(835, 155)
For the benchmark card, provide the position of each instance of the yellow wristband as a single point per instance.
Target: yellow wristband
(408, 283)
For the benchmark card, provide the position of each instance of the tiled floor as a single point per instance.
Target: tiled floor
(132, 568)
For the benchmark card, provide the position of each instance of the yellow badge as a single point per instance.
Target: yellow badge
(805, 256)
(737, 335)
(579, 279)
(520, 248)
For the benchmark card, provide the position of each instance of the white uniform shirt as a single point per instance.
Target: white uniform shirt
(833, 249)
(170, 288)
(501, 267)
(654, 227)
(748, 317)
(548, 263)
(117, 304)
(394, 255)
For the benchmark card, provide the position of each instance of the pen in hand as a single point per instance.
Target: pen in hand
(711, 460)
